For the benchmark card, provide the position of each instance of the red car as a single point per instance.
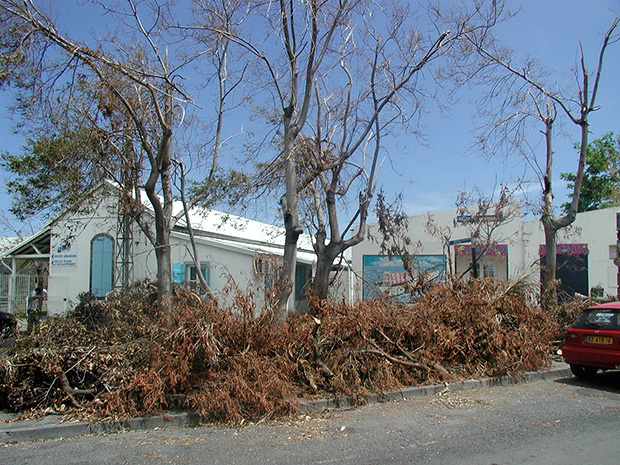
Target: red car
(593, 341)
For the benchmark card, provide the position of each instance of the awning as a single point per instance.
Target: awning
(37, 246)
(566, 249)
(497, 250)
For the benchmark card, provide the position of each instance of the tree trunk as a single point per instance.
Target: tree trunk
(549, 294)
(326, 253)
(320, 286)
(286, 305)
(286, 302)
(164, 269)
(325, 257)
(163, 219)
(551, 224)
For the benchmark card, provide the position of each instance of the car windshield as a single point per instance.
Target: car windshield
(598, 319)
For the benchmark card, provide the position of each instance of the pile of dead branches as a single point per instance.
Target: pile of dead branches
(120, 358)
(457, 331)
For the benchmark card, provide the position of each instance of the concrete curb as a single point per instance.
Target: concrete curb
(421, 391)
(52, 426)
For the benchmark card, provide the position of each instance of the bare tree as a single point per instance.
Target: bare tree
(390, 71)
(483, 217)
(297, 37)
(530, 93)
(21, 231)
(345, 153)
(205, 191)
(341, 75)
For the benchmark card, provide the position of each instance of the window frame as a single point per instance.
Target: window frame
(205, 267)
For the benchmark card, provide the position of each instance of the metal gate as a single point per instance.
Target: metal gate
(14, 291)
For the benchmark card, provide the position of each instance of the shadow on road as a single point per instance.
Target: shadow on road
(604, 381)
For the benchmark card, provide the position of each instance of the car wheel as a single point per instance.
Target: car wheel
(6, 332)
(583, 371)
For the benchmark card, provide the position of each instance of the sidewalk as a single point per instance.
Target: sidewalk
(52, 426)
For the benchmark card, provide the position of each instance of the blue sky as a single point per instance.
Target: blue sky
(548, 30)
(430, 176)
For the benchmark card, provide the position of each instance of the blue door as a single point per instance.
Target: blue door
(101, 265)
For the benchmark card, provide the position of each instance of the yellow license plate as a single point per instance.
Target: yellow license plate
(599, 340)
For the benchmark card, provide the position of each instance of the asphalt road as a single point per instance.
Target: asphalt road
(565, 421)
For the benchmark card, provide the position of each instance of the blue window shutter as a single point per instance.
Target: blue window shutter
(101, 265)
(178, 273)
(302, 276)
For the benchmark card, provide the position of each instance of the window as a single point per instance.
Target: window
(101, 265)
(266, 268)
(607, 319)
(303, 274)
(178, 273)
(187, 274)
(486, 270)
(192, 275)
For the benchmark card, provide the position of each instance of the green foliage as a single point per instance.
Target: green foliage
(56, 171)
(601, 181)
(229, 186)
(12, 54)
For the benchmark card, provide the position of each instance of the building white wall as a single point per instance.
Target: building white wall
(596, 229)
(69, 267)
(69, 271)
(70, 263)
(224, 263)
(424, 242)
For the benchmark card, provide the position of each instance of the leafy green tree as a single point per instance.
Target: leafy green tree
(55, 172)
(601, 180)
(111, 108)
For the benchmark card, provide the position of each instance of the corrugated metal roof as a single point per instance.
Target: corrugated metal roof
(220, 225)
(36, 245)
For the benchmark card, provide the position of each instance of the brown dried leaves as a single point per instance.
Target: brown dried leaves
(118, 359)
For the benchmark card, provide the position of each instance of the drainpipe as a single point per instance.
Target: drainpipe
(351, 292)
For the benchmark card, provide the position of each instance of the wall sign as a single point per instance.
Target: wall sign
(566, 249)
(65, 255)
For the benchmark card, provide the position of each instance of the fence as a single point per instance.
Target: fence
(13, 298)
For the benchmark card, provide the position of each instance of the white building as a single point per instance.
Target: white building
(96, 251)
(586, 252)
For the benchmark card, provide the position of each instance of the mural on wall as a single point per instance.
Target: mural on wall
(385, 276)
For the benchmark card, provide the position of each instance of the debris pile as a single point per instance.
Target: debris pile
(456, 331)
(121, 358)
